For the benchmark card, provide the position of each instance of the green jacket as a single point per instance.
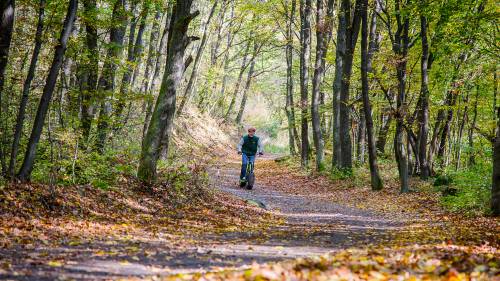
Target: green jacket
(250, 145)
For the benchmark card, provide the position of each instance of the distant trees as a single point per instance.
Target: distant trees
(422, 91)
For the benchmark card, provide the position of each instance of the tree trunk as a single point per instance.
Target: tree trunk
(305, 50)
(323, 31)
(134, 51)
(239, 117)
(162, 118)
(214, 50)
(400, 48)
(446, 127)
(106, 84)
(199, 52)
(90, 68)
(376, 181)
(289, 107)
(344, 107)
(361, 137)
(495, 189)
(472, 126)
(337, 85)
(154, 80)
(7, 13)
(139, 47)
(461, 127)
(229, 42)
(436, 131)
(26, 90)
(29, 158)
(423, 113)
(152, 53)
(386, 121)
(238, 81)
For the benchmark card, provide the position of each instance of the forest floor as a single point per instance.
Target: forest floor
(312, 228)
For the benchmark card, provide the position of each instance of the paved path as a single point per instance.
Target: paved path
(312, 226)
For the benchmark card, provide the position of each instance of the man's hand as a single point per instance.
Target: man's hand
(239, 153)
(261, 153)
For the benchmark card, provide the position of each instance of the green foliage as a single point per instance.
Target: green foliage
(83, 167)
(341, 174)
(276, 149)
(473, 190)
(443, 180)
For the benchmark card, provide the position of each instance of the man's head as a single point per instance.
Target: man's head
(251, 131)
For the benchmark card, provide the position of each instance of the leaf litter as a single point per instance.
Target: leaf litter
(147, 234)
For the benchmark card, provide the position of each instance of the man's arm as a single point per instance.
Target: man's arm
(260, 147)
(240, 145)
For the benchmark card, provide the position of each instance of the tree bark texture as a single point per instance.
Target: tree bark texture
(106, 84)
(162, 119)
(376, 180)
(323, 32)
(199, 53)
(305, 51)
(29, 158)
(21, 115)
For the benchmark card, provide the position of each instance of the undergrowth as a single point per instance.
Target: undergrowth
(466, 191)
(471, 189)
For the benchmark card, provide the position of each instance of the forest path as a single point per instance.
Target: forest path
(311, 225)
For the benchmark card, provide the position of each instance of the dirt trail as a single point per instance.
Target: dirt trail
(311, 226)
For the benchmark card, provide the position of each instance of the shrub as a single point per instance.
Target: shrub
(473, 190)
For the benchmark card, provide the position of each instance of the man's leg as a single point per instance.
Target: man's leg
(244, 160)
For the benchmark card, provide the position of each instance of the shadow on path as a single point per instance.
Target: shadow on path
(312, 226)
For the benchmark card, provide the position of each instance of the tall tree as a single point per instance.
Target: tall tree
(351, 36)
(337, 85)
(293, 136)
(163, 115)
(7, 11)
(244, 65)
(400, 47)
(106, 84)
(305, 52)
(226, 60)
(90, 67)
(26, 89)
(133, 54)
(423, 112)
(156, 74)
(323, 33)
(60, 49)
(495, 189)
(197, 60)
(376, 181)
(250, 77)
(152, 52)
(347, 35)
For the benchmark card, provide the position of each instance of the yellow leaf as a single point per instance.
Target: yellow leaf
(54, 263)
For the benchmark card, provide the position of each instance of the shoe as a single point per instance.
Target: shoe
(243, 182)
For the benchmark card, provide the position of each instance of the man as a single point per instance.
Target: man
(248, 147)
